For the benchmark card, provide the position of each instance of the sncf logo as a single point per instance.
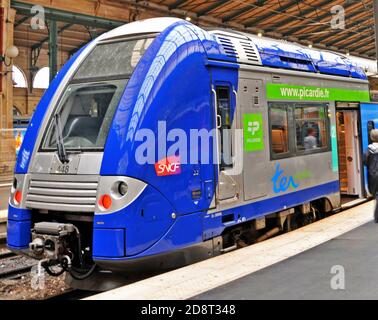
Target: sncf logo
(168, 166)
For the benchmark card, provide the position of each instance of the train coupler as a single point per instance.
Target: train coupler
(51, 241)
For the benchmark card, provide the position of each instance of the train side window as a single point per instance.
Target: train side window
(311, 128)
(224, 126)
(279, 130)
(370, 126)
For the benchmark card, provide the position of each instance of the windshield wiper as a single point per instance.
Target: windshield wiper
(62, 154)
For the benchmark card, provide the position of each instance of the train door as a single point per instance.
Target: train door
(224, 93)
(369, 121)
(349, 150)
(254, 120)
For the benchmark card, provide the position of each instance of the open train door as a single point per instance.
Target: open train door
(226, 119)
(369, 121)
(349, 151)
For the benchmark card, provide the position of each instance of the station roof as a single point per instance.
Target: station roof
(307, 22)
(71, 36)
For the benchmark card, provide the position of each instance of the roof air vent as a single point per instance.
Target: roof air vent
(238, 46)
(228, 46)
(250, 52)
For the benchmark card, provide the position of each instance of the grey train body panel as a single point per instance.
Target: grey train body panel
(251, 179)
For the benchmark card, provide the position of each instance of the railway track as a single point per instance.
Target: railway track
(3, 231)
(73, 294)
(5, 253)
(13, 266)
(16, 267)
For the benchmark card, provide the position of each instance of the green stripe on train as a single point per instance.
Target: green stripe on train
(306, 93)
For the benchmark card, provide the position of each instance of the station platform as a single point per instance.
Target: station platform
(308, 275)
(295, 265)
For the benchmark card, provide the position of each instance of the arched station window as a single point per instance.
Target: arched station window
(18, 77)
(42, 78)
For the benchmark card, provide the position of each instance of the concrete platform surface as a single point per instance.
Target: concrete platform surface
(231, 276)
(310, 275)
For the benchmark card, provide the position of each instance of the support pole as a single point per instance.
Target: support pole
(53, 49)
(2, 49)
(375, 6)
(7, 143)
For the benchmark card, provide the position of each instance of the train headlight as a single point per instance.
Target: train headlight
(17, 197)
(16, 194)
(105, 201)
(123, 188)
(115, 193)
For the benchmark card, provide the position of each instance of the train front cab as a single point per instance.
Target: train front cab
(73, 194)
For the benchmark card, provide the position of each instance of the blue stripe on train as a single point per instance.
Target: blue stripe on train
(213, 225)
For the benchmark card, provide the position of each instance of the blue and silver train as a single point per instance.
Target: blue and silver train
(280, 130)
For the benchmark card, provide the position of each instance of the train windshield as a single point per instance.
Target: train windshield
(85, 116)
(112, 60)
